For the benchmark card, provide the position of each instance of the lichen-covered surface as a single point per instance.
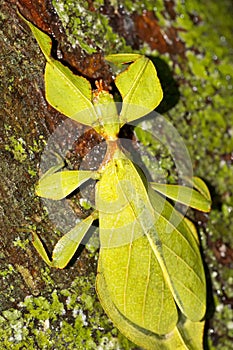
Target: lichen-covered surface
(192, 46)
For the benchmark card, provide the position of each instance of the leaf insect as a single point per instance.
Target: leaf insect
(161, 302)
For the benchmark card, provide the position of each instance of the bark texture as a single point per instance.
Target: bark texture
(191, 45)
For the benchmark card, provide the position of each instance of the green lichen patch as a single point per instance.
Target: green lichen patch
(17, 146)
(204, 120)
(70, 318)
(139, 6)
(88, 29)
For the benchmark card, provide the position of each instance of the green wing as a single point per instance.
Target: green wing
(150, 264)
(124, 216)
(120, 197)
(186, 335)
(180, 258)
(137, 286)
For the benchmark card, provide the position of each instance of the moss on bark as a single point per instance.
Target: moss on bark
(43, 308)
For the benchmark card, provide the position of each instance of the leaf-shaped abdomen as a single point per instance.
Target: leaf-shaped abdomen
(137, 287)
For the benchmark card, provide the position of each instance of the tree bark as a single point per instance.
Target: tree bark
(193, 48)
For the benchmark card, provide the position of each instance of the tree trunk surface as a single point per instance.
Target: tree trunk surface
(191, 46)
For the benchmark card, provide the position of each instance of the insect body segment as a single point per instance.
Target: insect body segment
(106, 111)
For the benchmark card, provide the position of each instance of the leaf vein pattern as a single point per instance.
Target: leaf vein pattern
(72, 85)
(162, 302)
(188, 290)
(127, 276)
(135, 83)
(147, 285)
(178, 232)
(184, 262)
